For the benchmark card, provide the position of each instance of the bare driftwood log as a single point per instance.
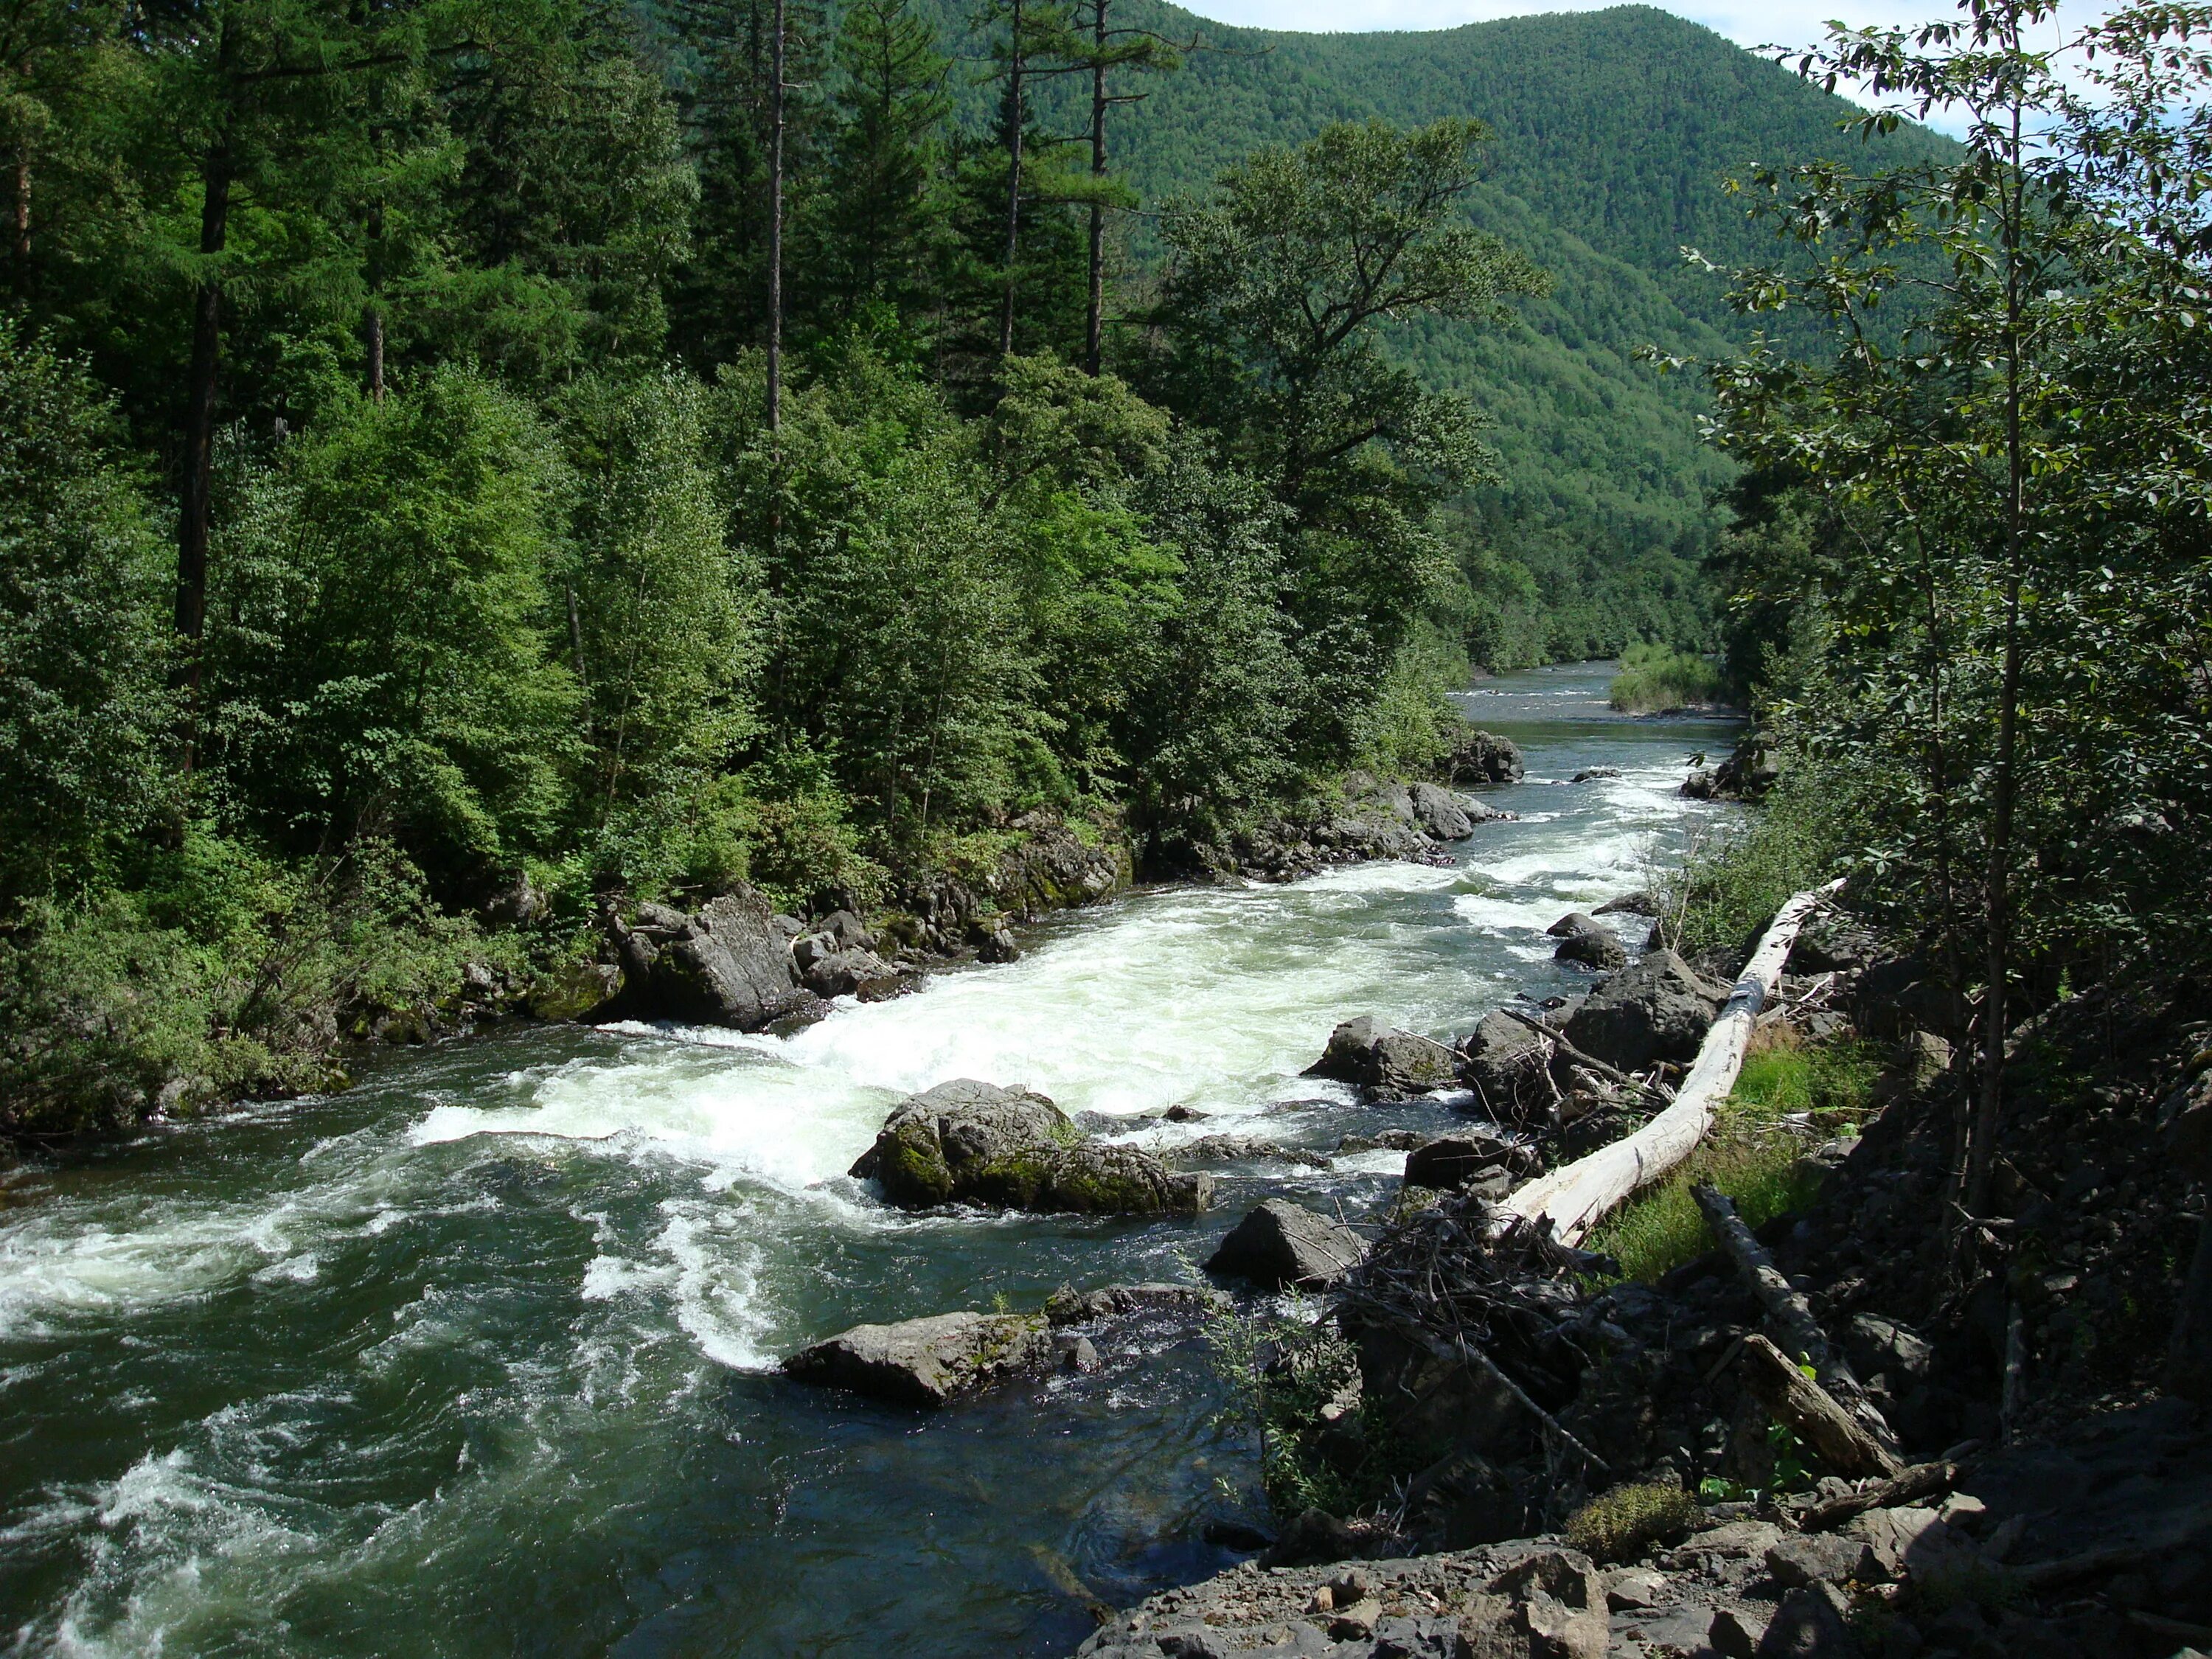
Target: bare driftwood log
(1837, 1437)
(1921, 1480)
(1575, 1197)
(1791, 1315)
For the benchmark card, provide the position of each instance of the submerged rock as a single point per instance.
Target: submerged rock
(1659, 1008)
(1388, 1064)
(927, 1362)
(1072, 1307)
(1281, 1243)
(965, 1142)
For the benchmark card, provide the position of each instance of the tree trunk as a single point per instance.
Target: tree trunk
(1832, 1433)
(199, 432)
(775, 227)
(1981, 1165)
(1015, 64)
(1095, 317)
(375, 305)
(23, 219)
(1575, 1197)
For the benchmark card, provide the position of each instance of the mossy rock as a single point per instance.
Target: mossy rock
(975, 1143)
(575, 992)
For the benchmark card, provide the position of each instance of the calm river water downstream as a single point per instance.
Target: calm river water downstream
(476, 1358)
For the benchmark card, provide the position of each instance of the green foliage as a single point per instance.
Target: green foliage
(224, 972)
(1290, 1381)
(1730, 883)
(382, 659)
(1984, 610)
(1654, 679)
(84, 641)
(1624, 1524)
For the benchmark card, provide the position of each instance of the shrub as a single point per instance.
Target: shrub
(1620, 1525)
(1655, 678)
(1732, 884)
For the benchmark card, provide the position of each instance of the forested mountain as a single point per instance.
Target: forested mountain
(1614, 132)
(457, 456)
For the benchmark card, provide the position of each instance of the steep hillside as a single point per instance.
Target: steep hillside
(1615, 131)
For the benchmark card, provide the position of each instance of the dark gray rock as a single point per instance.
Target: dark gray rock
(847, 972)
(1586, 939)
(1809, 1624)
(927, 1362)
(1655, 1009)
(1819, 1558)
(1508, 1066)
(1281, 1243)
(1387, 1063)
(1881, 1348)
(967, 1142)
(1591, 773)
(1437, 812)
(1481, 758)
(1455, 1163)
(729, 965)
(847, 930)
(1629, 904)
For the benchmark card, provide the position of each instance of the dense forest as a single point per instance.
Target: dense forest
(463, 460)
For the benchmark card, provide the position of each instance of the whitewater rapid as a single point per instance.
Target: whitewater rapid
(263, 1376)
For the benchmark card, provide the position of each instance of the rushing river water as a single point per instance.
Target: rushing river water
(477, 1358)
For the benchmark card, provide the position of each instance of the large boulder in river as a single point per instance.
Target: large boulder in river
(1388, 1064)
(966, 1142)
(925, 1362)
(1508, 1066)
(1586, 939)
(1481, 758)
(728, 964)
(1466, 1163)
(1659, 1008)
(1437, 812)
(1279, 1243)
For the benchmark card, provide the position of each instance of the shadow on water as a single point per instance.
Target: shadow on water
(478, 1357)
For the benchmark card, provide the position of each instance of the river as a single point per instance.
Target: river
(476, 1358)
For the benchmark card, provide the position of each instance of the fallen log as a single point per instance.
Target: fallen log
(1791, 1315)
(1575, 1197)
(1921, 1480)
(1835, 1437)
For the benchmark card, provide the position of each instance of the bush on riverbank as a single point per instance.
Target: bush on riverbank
(1729, 883)
(1654, 679)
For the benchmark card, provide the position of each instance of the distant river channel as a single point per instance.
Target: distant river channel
(478, 1358)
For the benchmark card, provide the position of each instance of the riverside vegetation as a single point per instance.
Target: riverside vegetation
(1961, 1177)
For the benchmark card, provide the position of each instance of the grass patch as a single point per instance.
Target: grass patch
(1751, 1154)
(1622, 1524)
(1655, 678)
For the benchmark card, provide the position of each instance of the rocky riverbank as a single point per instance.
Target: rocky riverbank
(2041, 1365)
